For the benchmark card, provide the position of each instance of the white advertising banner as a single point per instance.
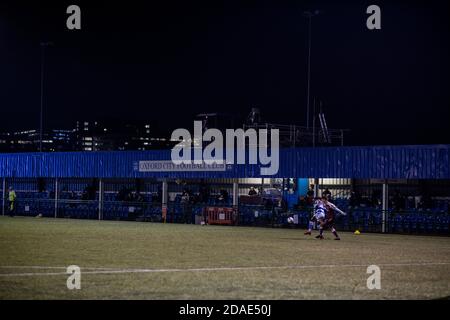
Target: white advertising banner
(169, 166)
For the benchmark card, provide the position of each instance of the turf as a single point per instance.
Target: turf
(412, 267)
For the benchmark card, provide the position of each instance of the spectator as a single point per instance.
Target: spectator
(223, 196)
(186, 207)
(12, 201)
(355, 199)
(301, 203)
(376, 198)
(72, 197)
(398, 201)
(158, 197)
(185, 197)
(89, 193)
(252, 192)
(123, 194)
(310, 195)
(138, 197)
(327, 194)
(203, 193)
(84, 195)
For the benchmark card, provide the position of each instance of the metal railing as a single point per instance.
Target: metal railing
(296, 136)
(362, 219)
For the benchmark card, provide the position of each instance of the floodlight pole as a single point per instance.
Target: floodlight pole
(309, 15)
(309, 71)
(43, 46)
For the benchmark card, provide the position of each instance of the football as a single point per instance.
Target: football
(290, 220)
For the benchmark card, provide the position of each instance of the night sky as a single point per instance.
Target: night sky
(164, 62)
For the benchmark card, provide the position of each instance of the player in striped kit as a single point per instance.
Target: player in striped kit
(319, 214)
(324, 214)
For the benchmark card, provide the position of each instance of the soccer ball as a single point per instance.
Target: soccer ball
(290, 220)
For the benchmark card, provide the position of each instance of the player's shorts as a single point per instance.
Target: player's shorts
(319, 216)
(328, 223)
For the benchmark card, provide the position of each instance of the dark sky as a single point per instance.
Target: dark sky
(165, 61)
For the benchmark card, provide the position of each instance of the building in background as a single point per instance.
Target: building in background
(86, 136)
(28, 141)
(120, 136)
(95, 136)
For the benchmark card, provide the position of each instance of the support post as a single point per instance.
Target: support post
(56, 197)
(3, 196)
(262, 186)
(385, 206)
(235, 194)
(164, 200)
(316, 187)
(236, 200)
(100, 199)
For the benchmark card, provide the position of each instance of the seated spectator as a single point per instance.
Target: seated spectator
(223, 196)
(252, 192)
(185, 197)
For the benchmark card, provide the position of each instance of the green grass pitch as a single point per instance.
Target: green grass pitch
(136, 260)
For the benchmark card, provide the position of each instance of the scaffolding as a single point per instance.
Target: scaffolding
(300, 136)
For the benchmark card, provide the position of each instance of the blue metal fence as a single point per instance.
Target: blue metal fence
(379, 162)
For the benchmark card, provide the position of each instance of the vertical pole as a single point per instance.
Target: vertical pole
(236, 200)
(385, 206)
(42, 94)
(314, 123)
(235, 194)
(164, 200)
(262, 185)
(309, 72)
(316, 187)
(3, 196)
(100, 199)
(56, 197)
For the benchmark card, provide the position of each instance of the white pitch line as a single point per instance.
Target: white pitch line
(46, 267)
(121, 271)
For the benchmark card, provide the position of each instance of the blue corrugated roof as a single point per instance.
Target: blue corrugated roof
(377, 162)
